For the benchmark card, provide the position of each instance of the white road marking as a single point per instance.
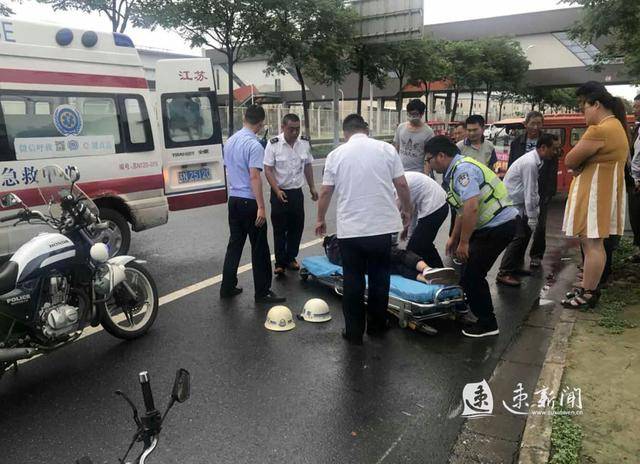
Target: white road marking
(173, 296)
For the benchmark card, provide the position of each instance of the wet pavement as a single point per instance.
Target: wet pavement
(257, 396)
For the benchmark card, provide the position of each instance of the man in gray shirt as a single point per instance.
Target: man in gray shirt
(411, 136)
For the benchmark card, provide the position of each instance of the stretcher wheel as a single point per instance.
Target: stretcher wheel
(304, 275)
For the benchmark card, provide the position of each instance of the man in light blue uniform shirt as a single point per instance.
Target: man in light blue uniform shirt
(485, 224)
(522, 184)
(244, 160)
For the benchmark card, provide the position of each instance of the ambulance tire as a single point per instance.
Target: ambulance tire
(118, 231)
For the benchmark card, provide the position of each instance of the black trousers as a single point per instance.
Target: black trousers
(513, 258)
(242, 218)
(404, 262)
(485, 246)
(421, 241)
(539, 242)
(633, 200)
(370, 256)
(288, 224)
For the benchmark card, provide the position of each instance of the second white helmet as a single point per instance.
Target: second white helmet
(316, 310)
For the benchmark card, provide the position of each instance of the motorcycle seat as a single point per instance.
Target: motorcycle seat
(8, 276)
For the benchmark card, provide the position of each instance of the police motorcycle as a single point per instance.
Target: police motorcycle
(148, 426)
(59, 283)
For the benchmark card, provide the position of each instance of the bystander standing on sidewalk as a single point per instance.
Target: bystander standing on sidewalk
(475, 145)
(595, 205)
(547, 183)
(411, 136)
(522, 184)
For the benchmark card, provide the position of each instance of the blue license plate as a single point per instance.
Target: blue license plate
(194, 175)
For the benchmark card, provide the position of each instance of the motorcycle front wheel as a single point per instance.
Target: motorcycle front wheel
(126, 317)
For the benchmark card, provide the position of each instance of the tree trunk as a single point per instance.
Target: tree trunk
(230, 89)
(305, 109)
(360, 86)
(399, 100)
(454, 110)
(500, 110)
(471, 103)
(533, 106)
(486, 110)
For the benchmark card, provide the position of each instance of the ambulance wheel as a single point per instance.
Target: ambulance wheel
(117, 236)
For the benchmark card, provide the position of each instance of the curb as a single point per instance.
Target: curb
(535, 447)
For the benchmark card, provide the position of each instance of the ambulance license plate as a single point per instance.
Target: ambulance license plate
(194, 175)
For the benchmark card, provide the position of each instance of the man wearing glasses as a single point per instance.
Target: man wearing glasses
(411, 136)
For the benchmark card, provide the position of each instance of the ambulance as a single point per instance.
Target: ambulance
(76, 97)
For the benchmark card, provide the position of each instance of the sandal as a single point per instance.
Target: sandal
(585, 300)
(577, 290)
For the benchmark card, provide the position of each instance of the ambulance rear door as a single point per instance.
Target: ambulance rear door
(191, 133)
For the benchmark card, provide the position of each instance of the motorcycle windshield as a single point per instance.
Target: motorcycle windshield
(54, 184)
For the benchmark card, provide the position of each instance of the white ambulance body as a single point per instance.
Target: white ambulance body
(74, 97)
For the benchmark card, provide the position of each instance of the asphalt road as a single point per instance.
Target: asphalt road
(257, 396)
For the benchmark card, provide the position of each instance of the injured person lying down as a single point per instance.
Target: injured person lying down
(403, 262)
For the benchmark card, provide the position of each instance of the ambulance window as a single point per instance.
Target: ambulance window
(189, 120)
(576, 134)
(29, 116)
(135, 121)
(100, 117)
(14, 107)
(43, 107)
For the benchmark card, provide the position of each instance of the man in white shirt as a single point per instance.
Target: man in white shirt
(411, 136)
(363, 173)
(521, 181)
(429, 203)
(287, 162)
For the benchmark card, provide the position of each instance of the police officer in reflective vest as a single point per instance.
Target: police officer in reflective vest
(287, 162)
(484, 226)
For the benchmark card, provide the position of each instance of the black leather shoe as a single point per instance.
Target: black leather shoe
(351, 340)
(270, 297)
(230, 293)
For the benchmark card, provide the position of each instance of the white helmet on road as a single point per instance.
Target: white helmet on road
(316, 310)
(279, 319)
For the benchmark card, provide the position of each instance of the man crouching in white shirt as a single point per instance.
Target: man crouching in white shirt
(363, 172)
(522, 184)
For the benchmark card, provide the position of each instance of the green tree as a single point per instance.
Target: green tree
(400, 61)
(504, 68)
(305, 35)
(5, 10)
(429, 66)
(465, 59)
(370, 61)
(121, 13)
(225, 25)
(616, 21)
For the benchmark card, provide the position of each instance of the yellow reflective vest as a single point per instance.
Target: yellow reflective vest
(493, 193)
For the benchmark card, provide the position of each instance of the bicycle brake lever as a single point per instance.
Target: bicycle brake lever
(136, 418)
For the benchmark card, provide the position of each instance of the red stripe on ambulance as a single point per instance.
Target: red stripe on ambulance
(28, 76)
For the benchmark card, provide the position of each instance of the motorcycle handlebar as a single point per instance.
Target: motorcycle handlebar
(147, 395)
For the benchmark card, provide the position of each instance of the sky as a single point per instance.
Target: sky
(435, 11)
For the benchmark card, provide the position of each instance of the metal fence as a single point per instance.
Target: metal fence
(381, 122)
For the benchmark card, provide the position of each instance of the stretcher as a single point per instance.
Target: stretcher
(412, 302)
